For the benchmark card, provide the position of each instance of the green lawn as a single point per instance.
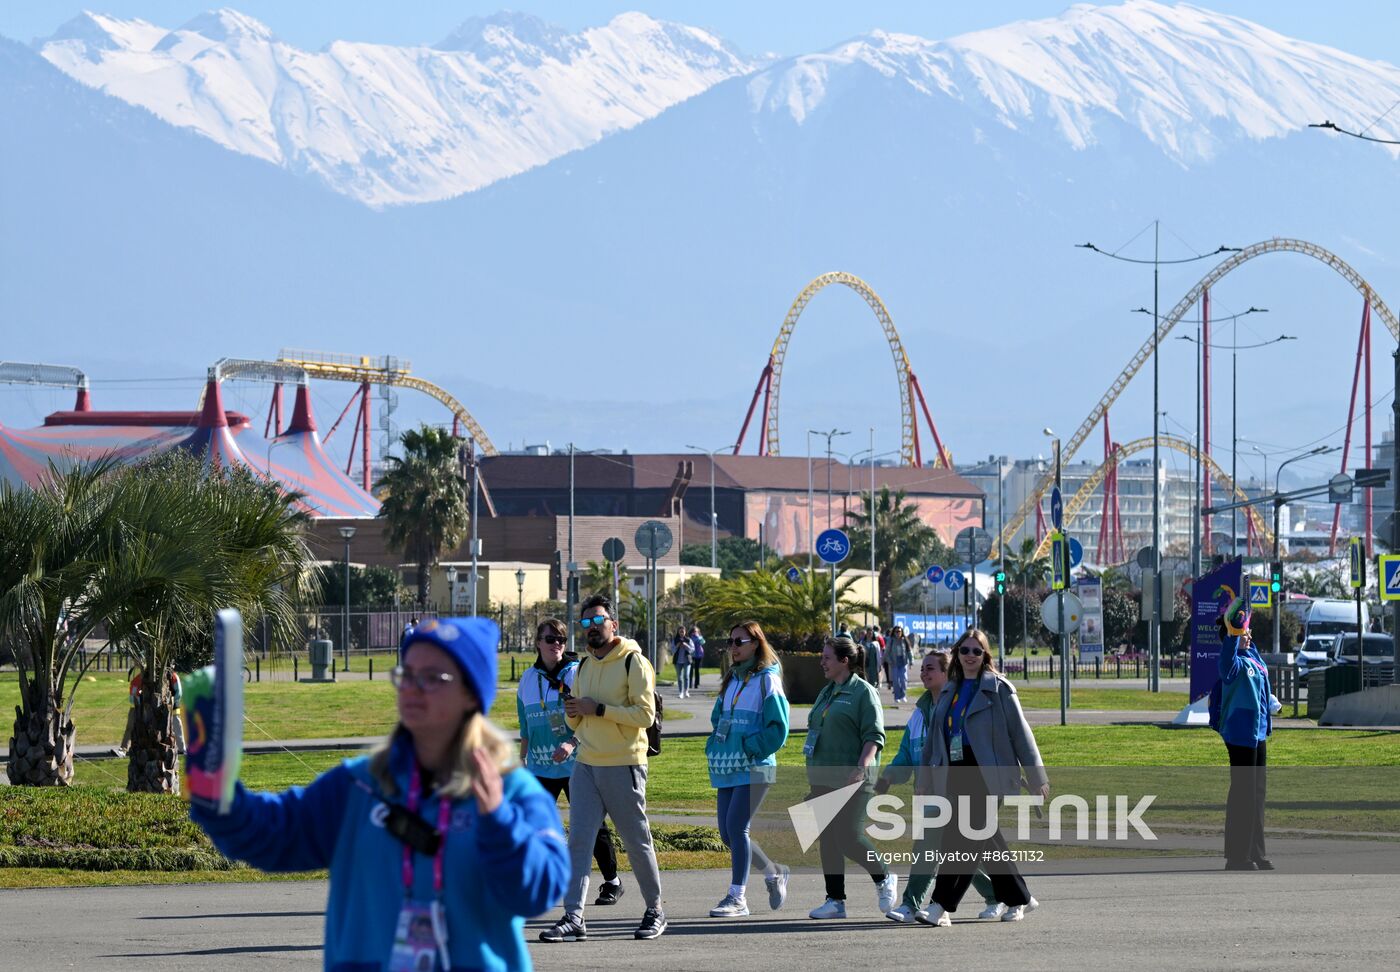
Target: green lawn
(1101, 696)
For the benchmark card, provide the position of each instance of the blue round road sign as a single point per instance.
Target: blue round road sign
(1076, 552)
(794, 575)
(934, 574)
(954, 580)
(1057, 509)
(833, 546)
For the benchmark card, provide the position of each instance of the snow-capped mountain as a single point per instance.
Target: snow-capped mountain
(1185, 77)
(389, 125)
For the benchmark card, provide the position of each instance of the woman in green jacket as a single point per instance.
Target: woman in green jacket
(845, 733)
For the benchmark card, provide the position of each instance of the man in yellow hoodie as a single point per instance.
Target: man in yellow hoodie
(609, 712)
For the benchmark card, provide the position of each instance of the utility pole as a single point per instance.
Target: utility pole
(1001, 527)
(1155, 631)
(569, 567)
(476, 544)
(1395, 505)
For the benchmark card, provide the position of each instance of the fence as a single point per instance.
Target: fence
(1113, 666)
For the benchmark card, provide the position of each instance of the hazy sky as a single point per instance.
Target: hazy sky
(1364, 27)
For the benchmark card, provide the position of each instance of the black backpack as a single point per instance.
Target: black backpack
(653, 730)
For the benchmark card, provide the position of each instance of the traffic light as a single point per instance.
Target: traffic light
(1276, 576)
(1001, 582)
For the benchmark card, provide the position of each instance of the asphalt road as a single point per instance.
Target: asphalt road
(1188, 916)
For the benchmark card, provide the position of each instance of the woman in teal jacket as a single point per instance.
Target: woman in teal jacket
(1245, 725)
(749, 725)
(438, 847)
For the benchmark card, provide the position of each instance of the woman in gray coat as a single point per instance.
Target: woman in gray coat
(979, 744)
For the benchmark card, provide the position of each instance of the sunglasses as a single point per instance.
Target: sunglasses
(429, 681)
(596, 621)
(736, 642)
(553, 639)
(969, 650)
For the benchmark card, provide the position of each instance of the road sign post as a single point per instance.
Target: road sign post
(955, 581)
(1358, 584)
(833, 546)
(1260, 593)
(934, 577)
(653, 540)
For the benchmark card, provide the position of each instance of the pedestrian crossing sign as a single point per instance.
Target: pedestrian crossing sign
(1260, 594)
(1390, 577)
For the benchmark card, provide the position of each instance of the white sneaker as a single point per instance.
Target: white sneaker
(935, 916)
(1015, 913)
(730, 907)
(887, 893)
(905, 914)
(831, 909)
(1032, 905)
(994, 910)
(118, 751)
(777, 887)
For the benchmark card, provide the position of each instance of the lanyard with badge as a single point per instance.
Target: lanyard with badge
(955, 737)
(557, 725)
(421, 937)
(727, 721)
(813, 732)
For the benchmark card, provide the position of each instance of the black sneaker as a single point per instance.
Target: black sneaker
(609, 893)
(653, 924)
(570, 928)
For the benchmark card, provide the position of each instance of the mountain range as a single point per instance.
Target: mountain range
(509, 203)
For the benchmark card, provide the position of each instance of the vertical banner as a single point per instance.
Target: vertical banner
(213, 702)
(1090, 591)
(1209, 593)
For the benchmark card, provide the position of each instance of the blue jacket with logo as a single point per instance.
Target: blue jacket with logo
(758, 727)
(498, 868)
(1244, 695)
(535, 698)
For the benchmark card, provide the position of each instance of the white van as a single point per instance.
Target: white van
(1323, 620)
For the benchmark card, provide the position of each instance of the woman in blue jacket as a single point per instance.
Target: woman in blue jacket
(749, 724)
(1245, 724)
(438, 846)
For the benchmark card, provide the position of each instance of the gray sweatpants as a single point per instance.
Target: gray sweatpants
(620, 792)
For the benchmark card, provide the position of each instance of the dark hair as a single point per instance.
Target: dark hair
(553, 625)
(846, 649)
(597, 601)
(988, 663)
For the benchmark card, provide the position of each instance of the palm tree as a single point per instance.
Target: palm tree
(425, 505)
(792, 613)
(1030, 571)
(904, 543)
(187, 545)
(48, 569)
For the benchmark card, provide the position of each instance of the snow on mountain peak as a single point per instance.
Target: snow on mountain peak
(1184, 76)
(390, 125)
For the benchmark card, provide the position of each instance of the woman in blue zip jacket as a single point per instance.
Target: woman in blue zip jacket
(1245, 725)
(749, 724)
(438, 846)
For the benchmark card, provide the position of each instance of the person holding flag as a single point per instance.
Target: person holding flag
(1243, 717)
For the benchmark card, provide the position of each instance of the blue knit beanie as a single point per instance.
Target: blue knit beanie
(472, 644)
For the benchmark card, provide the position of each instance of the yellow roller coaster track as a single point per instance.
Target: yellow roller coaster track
(358, 369)
(1086, 491)
(1169, 321)
(901, 360)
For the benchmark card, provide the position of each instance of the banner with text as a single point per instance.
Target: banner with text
(1209, 593)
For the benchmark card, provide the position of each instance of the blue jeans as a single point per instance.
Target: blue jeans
(736, 806)
(682, 677)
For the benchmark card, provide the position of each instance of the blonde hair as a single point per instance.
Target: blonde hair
(477, 732)
(988, 662)
(763, 654)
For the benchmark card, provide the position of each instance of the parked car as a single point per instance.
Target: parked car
(1376, 649)
(1314, 654)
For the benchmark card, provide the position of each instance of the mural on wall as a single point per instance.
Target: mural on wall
(783, 516)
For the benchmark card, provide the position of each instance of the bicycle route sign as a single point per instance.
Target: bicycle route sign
(833, 546)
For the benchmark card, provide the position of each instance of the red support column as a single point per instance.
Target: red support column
(365, 419)
(274, 413)
(1104, 518)
(761, 388)
(336, 424)
(84, 402)
(1351, 417)
(933, 429)
(918, 447)
(1366, 327)
(1204, 351)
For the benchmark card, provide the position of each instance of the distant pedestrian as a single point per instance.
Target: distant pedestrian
(980, 747)
(874, 657)
(681, 655)
(697, 655)
(1245, 725)
(934, 675)
(898, 652)
(845, 733)
(547, 744)
(610, 711)
(748, 727)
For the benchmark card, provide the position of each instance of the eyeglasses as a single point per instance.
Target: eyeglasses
(969, 650)
(596, 621)
(429, 681)
(553, 639)
(736, 642)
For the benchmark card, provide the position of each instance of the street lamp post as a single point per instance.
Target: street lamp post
(451, 572)
(520, 609)
(1278, 505)
(476, 543)
(714, 516)
(346, 533)
(1154, 631)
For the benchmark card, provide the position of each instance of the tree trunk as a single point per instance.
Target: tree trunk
(424, 573)
(41, 749)
(152, 766)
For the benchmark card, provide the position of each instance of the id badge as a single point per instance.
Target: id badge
(955, 749)
(557, 725)
(722, 729)
(811, 745)
(420, 941)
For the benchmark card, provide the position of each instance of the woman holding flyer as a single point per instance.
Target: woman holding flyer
(438, 845)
